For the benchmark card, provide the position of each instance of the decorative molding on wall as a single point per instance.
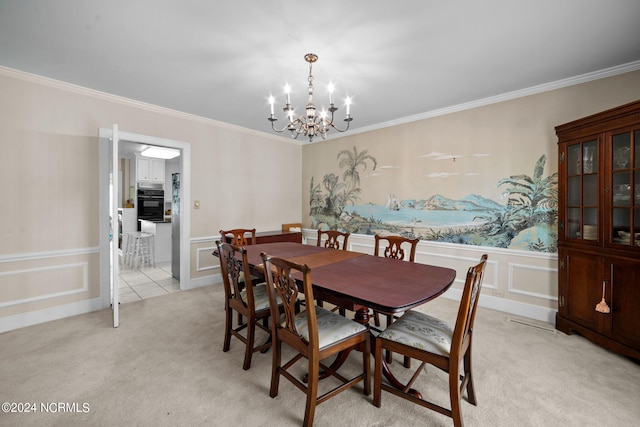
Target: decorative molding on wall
(84, 281)
(207, 251)
(48, 254)
(81, 90)
(512, 283)
(546, 87)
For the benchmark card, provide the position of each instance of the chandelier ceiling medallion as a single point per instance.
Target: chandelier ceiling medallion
(309, 124)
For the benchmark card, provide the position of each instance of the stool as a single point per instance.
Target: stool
(140, 249)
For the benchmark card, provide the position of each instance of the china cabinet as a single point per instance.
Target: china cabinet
(599, 228)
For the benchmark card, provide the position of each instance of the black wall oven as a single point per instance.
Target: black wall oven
(150, 204)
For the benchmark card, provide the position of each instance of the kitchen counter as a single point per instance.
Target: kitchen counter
(162, 232)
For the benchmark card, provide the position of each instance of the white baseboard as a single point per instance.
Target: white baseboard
(516, 308)
(22, 320)
(204, 281)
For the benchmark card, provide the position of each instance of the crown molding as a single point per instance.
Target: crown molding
(521, 93)
(546, 87)
(93, 93)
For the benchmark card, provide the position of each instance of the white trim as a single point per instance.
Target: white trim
(48, 254)
(516, 308)
(185, 190)
(43, 297)
(208, 250)
(205, 281)
(513, 290)
(545, 87)
(30, 318)
(534, 90)
(81, 90)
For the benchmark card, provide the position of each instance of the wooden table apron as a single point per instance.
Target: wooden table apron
(378, 283)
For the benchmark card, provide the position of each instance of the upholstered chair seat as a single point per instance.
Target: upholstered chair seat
(332, 327)
(421, 331)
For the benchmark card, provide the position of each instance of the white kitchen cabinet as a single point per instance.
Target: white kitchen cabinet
(150, 170)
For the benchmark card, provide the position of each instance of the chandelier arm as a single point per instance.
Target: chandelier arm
(348, 120)
(273, 126)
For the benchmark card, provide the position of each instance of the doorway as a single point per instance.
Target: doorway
(110, 266)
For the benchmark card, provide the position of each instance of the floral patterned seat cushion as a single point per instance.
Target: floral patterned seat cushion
(331, 326)
(421, 331)
(260, 297)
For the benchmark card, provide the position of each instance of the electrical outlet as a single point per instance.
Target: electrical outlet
(498, 293)
(196, 204)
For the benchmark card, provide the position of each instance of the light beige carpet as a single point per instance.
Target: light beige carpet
(164, 366)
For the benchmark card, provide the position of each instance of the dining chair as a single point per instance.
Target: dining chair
(314, 333)
(248, 300)
(239, 236)
(435, 342)
(333, 239)
(395, 247)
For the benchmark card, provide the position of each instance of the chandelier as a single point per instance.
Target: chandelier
(309, 124)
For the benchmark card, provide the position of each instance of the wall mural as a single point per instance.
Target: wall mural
(527, 218)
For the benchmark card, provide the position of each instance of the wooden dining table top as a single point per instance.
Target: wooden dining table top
(379, 283)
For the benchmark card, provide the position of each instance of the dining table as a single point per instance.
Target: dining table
(360, 282)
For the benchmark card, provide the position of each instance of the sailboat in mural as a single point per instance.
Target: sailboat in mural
(393, 204)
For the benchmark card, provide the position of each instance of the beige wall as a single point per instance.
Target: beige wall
(49, 263)
(489, 143)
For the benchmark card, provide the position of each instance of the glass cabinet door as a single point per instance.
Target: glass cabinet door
(625, 188)
(582, 190)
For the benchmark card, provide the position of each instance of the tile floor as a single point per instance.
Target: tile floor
(140, 283)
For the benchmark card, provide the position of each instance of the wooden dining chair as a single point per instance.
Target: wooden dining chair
(435, 342)
(248, 300)
(395, 247)
(333, 239)
(239, 236)
(314, 333)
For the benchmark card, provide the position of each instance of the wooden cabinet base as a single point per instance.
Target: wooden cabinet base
(568, 327)
(278, 236)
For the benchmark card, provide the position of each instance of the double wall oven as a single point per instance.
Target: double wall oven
(150, 204)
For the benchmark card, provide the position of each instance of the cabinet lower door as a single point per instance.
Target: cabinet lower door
(582, 288)
(625, 294)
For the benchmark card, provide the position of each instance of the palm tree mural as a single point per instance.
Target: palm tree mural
(351, 161)
(328, 208)
(528, 220)
(332, 205)
(531, 200)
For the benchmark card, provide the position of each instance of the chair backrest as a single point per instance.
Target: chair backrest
(234, 268)
(239, 236)
(281, 283)
(467, 312)
(396, 247)
(296, 226)
(333, 239)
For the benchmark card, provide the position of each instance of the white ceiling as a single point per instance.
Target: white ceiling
(397, 60)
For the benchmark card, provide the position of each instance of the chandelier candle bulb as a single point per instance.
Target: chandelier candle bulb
(287, 91)
(309, 124)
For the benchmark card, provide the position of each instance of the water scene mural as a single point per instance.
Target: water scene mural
(525, 218)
